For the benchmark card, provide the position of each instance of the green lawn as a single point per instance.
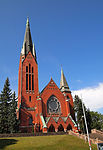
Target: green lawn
(55, 142)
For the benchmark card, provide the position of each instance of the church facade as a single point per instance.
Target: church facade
(50, 110)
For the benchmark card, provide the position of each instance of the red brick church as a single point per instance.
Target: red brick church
(50, 110)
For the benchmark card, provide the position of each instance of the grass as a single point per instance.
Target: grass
(55, 142)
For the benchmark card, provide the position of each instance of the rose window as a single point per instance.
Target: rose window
(53, 105)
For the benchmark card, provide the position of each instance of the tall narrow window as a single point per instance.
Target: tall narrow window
(29, 98)
(29, 68)
(68, 98)
(26, 77)
(32, 70)
(30, 121)
(30, 82)
(26, 69)
(32, 79)
(26, 81)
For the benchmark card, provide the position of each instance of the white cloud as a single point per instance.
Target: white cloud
(91, 96)
(79, 81)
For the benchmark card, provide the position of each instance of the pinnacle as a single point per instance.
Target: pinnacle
(63, 83)
(27, 22)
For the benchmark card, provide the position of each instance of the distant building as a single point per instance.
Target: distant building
(50, 110)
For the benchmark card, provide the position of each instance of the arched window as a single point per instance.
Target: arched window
(32, 79)
(26, 69)
(68, 97)
(26, 77)
(29, 98)
(29, 78)
(32, 70)
(30, 82)
(29, 68)
(53, 105)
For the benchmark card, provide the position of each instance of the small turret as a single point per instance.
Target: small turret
(63, 83)
(34, 52)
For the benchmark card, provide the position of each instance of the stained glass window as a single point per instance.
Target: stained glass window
(53, 105)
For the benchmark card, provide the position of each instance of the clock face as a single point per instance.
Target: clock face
(53, 105)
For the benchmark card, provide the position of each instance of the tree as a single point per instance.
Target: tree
(5, 99)
(89, 119)
(80, 116)
(13, 122)
(0, 115)
(79, 112)
(8, 118)
(97, 120)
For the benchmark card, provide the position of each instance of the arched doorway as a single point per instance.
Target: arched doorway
(51, 128)
(60, 128)
(69, 127)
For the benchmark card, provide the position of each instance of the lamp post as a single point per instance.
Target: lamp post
(86, 126)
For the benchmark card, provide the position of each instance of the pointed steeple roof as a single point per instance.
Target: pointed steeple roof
(63, 83)
(27, 38)
(27, 44)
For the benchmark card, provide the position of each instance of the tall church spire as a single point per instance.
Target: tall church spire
(63, 83)
(27, 38)
(27, 44)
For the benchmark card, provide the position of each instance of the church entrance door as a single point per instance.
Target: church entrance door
(60, 128)
(51, 128)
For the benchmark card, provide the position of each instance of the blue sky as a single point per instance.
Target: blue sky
(65, 32)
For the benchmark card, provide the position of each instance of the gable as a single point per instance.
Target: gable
(29, 58)
(52, 90)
